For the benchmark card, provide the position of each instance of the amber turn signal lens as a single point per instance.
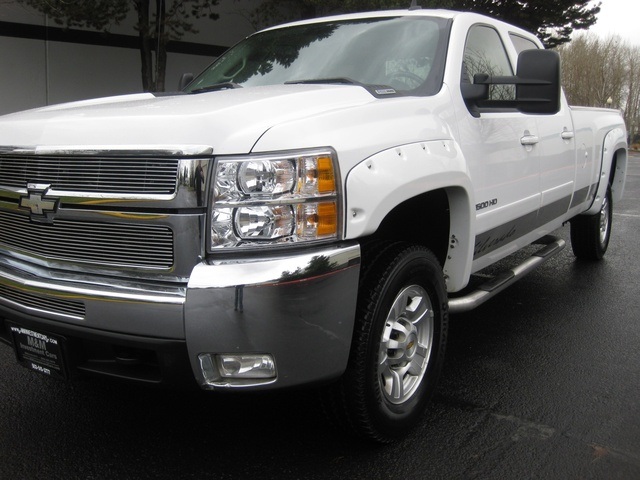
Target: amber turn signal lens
(326, 175)
(327, 219)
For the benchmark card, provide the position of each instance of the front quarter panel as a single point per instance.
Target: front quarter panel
(385, 180)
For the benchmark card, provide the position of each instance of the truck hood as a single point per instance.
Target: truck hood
(230, 121)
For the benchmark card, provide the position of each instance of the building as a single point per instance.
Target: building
(45, 64)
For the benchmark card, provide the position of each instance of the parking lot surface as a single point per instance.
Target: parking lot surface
(541, 382)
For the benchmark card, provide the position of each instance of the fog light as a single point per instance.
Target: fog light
(221, 368)
(246, 366)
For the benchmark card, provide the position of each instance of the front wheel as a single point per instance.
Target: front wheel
(590, 234)
(399, 342)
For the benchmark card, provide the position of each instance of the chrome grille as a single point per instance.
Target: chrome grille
(118, 244)
(48, 304)
(151, 176)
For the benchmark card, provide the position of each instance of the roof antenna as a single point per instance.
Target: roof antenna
(414, 5)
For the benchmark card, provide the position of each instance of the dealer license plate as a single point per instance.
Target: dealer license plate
(37, 351)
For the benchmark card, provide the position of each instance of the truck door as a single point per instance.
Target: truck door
(556, 152)
(499, 145)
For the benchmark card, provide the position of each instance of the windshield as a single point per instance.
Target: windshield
(404, 53)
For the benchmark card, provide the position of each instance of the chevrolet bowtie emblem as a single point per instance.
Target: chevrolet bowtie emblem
(41, 208)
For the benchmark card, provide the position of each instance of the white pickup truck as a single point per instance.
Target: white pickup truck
(307, 211)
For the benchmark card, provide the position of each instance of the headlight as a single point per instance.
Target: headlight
(274, 199)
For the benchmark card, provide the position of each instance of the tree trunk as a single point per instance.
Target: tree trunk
(146, 62)
(161, 47)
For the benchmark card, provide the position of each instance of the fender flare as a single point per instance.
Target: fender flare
(614, 145)
(385, 180)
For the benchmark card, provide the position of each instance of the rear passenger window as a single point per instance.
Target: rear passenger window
(521, 44)
(485, 53)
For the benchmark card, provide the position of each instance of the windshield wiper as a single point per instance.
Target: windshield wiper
(378, 91)
(338, 80)
(217, 86)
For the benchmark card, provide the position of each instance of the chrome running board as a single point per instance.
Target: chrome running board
(552, 246)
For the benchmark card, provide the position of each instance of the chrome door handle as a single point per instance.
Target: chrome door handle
(529, 140)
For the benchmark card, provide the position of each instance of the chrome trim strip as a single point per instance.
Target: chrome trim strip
(38, 304)
(81, 286)
(137, 150)
(94, 197)
(286, 268)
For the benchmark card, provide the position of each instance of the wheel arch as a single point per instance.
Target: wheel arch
(613, 168)
(416, 194)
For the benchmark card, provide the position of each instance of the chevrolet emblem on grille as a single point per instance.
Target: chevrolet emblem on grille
(41, 208)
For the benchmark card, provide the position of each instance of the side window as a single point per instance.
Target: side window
(485, 53)
(521, 44)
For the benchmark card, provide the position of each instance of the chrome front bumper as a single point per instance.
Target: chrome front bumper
(297, 308)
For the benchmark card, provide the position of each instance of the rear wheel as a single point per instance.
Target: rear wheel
(590, 234)
(398, 345)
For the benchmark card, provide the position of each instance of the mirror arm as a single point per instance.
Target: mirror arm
(484, 79)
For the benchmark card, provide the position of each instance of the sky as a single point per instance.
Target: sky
(619, 17)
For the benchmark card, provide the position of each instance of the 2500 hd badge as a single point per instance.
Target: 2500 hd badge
(487, 204)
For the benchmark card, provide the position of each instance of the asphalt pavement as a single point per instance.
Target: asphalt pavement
(541, 382)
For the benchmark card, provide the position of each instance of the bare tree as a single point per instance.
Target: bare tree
(632, 106)
(593, 70)
(603, 73)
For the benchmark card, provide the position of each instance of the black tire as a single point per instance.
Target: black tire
(398, 344)
(590, 234)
